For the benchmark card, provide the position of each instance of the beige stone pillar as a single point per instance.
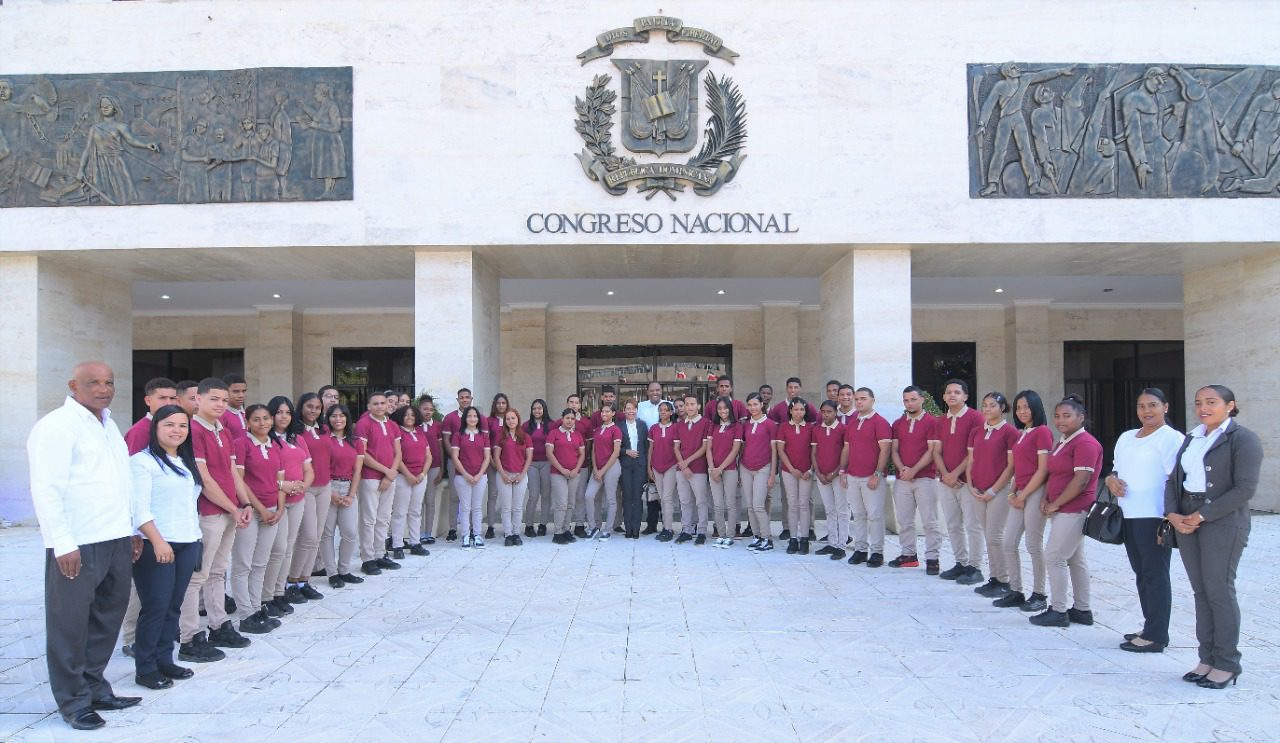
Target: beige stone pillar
(866, 324)
(781, 345)
(52, 317)
(1232, 338)
(525, 353)
(457, 324)
(1029, 359)
(278, 367)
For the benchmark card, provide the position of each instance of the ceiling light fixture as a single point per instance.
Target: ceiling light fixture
(999, 290)
(1107, 291)
(721, 292)
(610, 292)
(164, 296)
(275, 296)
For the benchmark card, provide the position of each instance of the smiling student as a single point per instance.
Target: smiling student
(513, 452)
(757, 470)
(795, 439)
(959, 512)
(260, 464)
(298, 476)
(376, 492)
(1030, 470)
(566, 451)
(915, 490)
(537, 505)
(830, 458)
(690, 449)
(412, 481)
(870, 440)
(346, 459)
(606, 449)
(723, 446)
(662, 465)
(989, 473)
(470, 451)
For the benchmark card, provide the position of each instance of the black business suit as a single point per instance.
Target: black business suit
(1212, 552)
(635, 472)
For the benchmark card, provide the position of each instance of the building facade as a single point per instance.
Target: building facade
(473, 236)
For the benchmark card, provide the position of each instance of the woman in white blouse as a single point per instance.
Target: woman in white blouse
(1143, 460)
(165, 486)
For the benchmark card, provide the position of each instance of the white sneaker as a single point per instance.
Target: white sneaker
(604, 534)
(466, 542)
(593, 535)
(478, 542)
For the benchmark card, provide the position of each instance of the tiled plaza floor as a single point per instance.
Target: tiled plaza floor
(627, 640)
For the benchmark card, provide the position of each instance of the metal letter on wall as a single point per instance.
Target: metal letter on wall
(1123, 130)
(266, 134)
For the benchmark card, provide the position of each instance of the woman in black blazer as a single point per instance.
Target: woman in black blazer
(1206, 499)
(635, 457)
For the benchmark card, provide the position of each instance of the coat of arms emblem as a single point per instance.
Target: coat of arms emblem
(659, 115)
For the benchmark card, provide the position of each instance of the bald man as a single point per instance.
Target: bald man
(81, 488)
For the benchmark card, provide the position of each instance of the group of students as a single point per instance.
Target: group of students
(269, 488)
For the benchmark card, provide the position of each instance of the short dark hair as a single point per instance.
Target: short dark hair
(463, 389)
(796, 380)
(1000, 399)
(866, 390)
(1038, 418)
(836, 382)
(320, 392)
(210, 383)
(608, 388)
(849, 387)
(724, 378)
(765, 386)
(233, 378)
(159, 383)
(187, 384)
(963, 385)
(912, 388)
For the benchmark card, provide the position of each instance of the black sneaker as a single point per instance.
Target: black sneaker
(255, 624)
(321, 573)
(558, 539)
(386, 563)
(786, 534)
(1010, 600)
(568, 537)
(428, 540)
(293, 595)
(824, 550)
(665, 535)
(932, 567)
(824, 541)
(700, 540)
(858, 557)
(992, 589)
(452, 536)
(542, 530)
(684, 537)
(310, 593)
(1050, 618)
(127, 650)
(273, 623)
(905, 561)
(650, 530)
(528, 531)
(272, 609)
(876, 560)
(1035, 602)
(227, 637)
(198, 650)
(953, 572)
(972, 576)
(397, 554)
(793, 546)
(517, 541)
(508, 541)
(619, 530)
(369, 567)
(766, 547)
(580, 531)
(1078, 616)
(804, 546)
(419, 551)
(747, 532)
(352, 579)
(336, 581)
(488, 533)
(837, 554)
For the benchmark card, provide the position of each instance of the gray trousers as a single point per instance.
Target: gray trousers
(537, 504)
(1211, 555)
(82, 619)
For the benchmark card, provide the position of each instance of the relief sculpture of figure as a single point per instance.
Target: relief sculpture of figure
(328, 155)
(245, 148)
(1007, 96)
(16, 161)
(1046, 136)
(1141, 111)
(281, 126)
(1095, 172)
(1194, 166)
(1257, 141)
(221, 154)
(193, 174)
(102, 168)
(266, 160)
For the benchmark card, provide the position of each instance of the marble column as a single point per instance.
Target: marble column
(1231, 338)
(52, 317)
(457, 324)
(866, 324)
(525, 354)
(1027, 351)
(781, 345)
(278, 370)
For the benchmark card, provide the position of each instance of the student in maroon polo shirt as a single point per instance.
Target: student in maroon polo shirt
(781, 413)
(189, 395)
(795, 460)
(537, 505)
(833, 390)
(608, 396)
(916, 486)
(493, 424)
(662, 465)
(577, 499)
(692, 434)
(298, 476)
(757, 470)
(606, 470)
(234, 417)
(346, 459)
(513, 451)
(567, 452)
(844, 404)
(723, 448)
(260, 464)
(412, 481)
(159, 392)
(724, 390)
(1072, 487)
(830, 458)
(224, 507)
(448, 510)
(870, 439)
(309, 427)
(959, 512)
(469, 449)
(990, 472)
(1030, 469)
(377, 481)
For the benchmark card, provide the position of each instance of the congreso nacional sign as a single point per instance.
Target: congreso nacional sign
(660, 114)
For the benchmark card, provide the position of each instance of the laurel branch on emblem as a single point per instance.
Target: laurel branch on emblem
(716, 163)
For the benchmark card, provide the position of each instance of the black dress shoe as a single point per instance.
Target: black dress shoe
(619, 530)
(858, 557)
(114, 702)
(349, 578)
(1207, 683)
(177, 673)
(154, 680)
(85, 719)
(1192, 677)
(1132, 635)
(1078, 616)
(310, 593)
(876, 560)
(529, 532)
(1151, 647)
(335, 581)
(419, 551)
(542, 530)
(793, 546)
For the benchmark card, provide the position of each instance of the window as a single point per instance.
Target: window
(932, 364)
(358, 372)
(192, 363)
(682, 370)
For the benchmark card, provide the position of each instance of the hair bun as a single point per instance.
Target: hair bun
(1073, 397)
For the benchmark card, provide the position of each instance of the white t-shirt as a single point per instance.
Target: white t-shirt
(1144, 464)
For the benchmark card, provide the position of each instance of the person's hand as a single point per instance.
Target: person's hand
(652, 477)
(907, 475)
(69, 564)
(1016, 500)
(632, 453)
(598, 476)
(276, 515)
(773, 480)
(973, 491)
(1143, 172)
(1047, 508)
(243, 514)
(335, 500)
(153, 147)
(164, 552)
(807, 475)
(1116, 485)
(950, 479)
(135, 542)
(873, 482)
(385, 484)
(844, 480)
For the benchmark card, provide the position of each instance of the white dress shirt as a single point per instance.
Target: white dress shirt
(165, 497)
(633, 433)
(1193, 457)
(80, 478)
(1144, 464)
(648, 411)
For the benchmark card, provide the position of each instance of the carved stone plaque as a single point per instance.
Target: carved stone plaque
(1123, 130)
(266, 134)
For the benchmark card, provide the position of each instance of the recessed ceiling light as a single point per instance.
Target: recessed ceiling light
(275, 296)
(164, 296)
(999, 290)
(1108, 290)
(720, 292)
(610, 292)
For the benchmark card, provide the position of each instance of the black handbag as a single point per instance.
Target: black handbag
(1166, 535)
(1105, 521)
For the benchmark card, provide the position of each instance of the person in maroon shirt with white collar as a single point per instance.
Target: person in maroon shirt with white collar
(964, 524)
(781, 413)
(916, 487)
(498, 408)
(724, 390)
(692, 435)
(234, 416)
(159, 392)
(795, 461)
(990, 472)
(376, 492)
(870, 439)
(608, 396)
(830, 458)
(578, 498)
(567, 452)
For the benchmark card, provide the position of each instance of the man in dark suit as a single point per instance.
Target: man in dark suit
(635, 468)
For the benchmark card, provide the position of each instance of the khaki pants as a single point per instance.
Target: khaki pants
(346, 520)
(217, 535)
(129, 630)
(921, 494)
(724, 502)
(1064, 557)
(315, 512)
(867, 506)
(799, 492)
(561, 488)
(1029, 520)
(964, 523)
(666, 483)
(491, 508)
(282, 551)
(835, 506)
(249, 558)
(608, 485)
(537, 503)
(406, 511)
(471, 499)
(755, 487)
(375, 518)
(430, 503)
(994, 516)
(511, 497)
(693, 502)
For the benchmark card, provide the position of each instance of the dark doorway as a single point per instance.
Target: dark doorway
(933, 364)
(1110, 374)
(682, 370)
(192, 363)
(358, 372)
